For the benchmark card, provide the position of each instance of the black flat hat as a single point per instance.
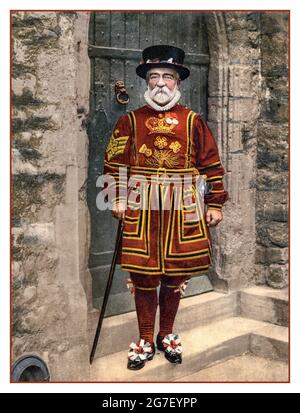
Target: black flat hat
(163, 56)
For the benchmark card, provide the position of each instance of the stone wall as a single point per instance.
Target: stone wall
(234, 104)
(272, 154)
(50, 97)
(248, 114)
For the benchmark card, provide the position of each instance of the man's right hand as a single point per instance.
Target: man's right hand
(118, 210)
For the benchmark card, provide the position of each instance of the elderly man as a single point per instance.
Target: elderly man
(165, 238)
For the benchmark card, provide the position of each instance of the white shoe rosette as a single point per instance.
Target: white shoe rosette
(139, 352)
(172, 344)
(182, 287)
(130, 286)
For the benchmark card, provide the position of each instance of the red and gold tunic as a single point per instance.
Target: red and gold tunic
(164, 227)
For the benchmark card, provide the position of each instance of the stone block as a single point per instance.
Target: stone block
(42, 233)
(243, 80)
(277, 255)
(25, 100)
(272, 23)
(244, 55)
(237, 21)
(274, 51)
(272, 155)
(241, 21)
(51, 88)
(270, 199)
(277, 213)
(70, 365)
(270, 343)
(271, 255)
(242, 369)
(272, 133)
(217, 131)
(259, 273)
(272, 234)
(268, 180)
(29, 295)
(215, 109)
(31, 123)
(275, 109)
(25, 159)
(36, 190)
(265, 304)
(17, 269)
(277, 276)
(243, 109)
(278, 234)
(26, 82)
(276, 87)
(239, 37)
(215, 86)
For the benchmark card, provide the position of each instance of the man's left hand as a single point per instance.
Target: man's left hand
(213, 217)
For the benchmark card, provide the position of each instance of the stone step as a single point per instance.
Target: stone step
(119, 331)
(245, 368)
(264, 304)
(271, 342)
(203, 346)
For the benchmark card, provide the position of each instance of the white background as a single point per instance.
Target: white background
(5, 386)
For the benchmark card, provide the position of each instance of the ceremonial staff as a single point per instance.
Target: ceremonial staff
(107, 290)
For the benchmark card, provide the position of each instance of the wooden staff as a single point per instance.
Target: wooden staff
(107, 290)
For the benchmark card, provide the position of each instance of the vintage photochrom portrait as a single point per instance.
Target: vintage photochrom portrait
(149, 221)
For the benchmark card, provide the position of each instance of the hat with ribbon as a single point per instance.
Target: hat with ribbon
(163, 56)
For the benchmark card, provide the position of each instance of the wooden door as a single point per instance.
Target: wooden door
(116, 41)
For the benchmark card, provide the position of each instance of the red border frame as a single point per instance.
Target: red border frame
(289, 194)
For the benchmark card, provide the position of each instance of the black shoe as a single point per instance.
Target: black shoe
(135, 364)
(141, 354)
(159, 343)
(171, 346)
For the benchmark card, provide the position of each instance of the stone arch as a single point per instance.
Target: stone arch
(218, 115)
(233, 112)
(228, 272)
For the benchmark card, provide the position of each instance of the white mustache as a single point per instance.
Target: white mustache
(161, 90)
(161, 101)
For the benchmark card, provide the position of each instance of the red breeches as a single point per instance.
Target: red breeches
(146, 302)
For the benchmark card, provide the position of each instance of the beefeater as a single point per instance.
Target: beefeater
(156, 157)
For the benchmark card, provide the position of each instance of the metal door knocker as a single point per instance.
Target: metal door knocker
(121, 94)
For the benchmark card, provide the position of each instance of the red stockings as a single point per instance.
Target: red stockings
(146, 302)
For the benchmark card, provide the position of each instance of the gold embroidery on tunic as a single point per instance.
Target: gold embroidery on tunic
(160, 142)
(175, 146)
(146, 151)
(163, 124)
(116, 145)
(162, 158)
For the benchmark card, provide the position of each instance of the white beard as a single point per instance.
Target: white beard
(162, 101)
(162, 95)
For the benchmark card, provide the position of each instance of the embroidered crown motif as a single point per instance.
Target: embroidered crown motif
(163, 124)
